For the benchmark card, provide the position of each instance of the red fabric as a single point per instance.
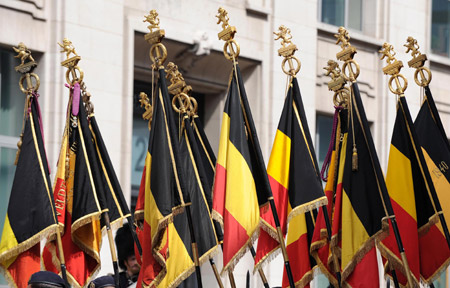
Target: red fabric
(365, 274)
(141, 196)
(266, 243)
(433, 251)
(407, 226)
(235, 237)
(79, 264)
(220, 185)
(298, 258)
(25, 265)
(150, 268)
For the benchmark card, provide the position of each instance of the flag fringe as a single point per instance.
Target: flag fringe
(315, 246)
(365, 248)
(30, 242)
(241, 252)
(86, 249)
(267, 258)
(306, 207)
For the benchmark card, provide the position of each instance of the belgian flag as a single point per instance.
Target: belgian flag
(320, 246)
(241, 185)
(436, 150)
(76, 194)
(360, 213)
(163, 199)
(296, 186)
(410, 190)
(31, 212)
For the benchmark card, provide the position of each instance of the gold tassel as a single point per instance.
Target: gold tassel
(354, 159)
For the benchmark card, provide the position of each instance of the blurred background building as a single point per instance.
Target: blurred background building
(109, 36)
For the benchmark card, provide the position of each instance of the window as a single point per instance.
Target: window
(440, 27)
(324, 124)
(347, 13)
(11, 113)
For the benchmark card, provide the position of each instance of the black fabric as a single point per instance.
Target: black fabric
(207, 157)
(361, 186)
(30, 203)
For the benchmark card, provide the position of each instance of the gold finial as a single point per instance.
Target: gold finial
(148, 114)
(227, 35)
(287, 50)
(178, 88)
(343, 38)
(71, 63)
(337, 84)
(393, 69)
(152, 19)
(350, 69)
(418, 62)
(23, 53)
(26, 67)
(67, 47)
(388, 52)
(158, 52)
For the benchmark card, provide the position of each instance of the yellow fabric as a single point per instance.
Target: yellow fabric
(399, 181)
(224, 136)
(441, 185)
(297, 228)
(152, 215)
(241, 199)
(179, 262)
(354, 235)
(9, 240)
(279, 161)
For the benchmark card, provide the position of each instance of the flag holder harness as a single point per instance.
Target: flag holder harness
(26, 69)
(72, 79)
(158, 55)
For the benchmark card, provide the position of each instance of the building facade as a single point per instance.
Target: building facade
(109, 36)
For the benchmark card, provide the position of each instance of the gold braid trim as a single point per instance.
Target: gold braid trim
(315, 246)
(27, 244)
(241, 252)
(139, 215)
(307, 277)
(269, 229)
(365, 248)
(436, 274)
(267, 258)
(306, 207)
(216, 216)
(85, 220)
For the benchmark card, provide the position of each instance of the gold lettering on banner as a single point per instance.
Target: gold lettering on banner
(60, 199)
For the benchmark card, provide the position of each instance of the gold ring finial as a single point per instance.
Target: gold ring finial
(158, 52)
(393, 69)
(418, 62)
(71, 62)
(26, 67)
(337, 84)
(287, 51)
(231, 48)
(350, 69)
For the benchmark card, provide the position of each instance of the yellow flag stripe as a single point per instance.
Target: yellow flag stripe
(399, 181)
(279, 162)
(9, 240)
(241, 199)
(297, 228)
(152, 215)
(224, 138)
(354, 235)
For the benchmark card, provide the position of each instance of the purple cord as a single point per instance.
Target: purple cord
(326, 162)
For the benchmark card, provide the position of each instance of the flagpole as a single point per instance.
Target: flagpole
(352, 67)
(71, 65)
(418, 63)
(26, 69)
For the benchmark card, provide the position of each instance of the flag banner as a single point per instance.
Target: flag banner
(77, 205)
(163, 199)
(320, 247)
(295, 182)
(360, 214)
(241, 185)
(208, 160)
(436, 150)
(115, 201)
(31, 213)
(409, 192)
